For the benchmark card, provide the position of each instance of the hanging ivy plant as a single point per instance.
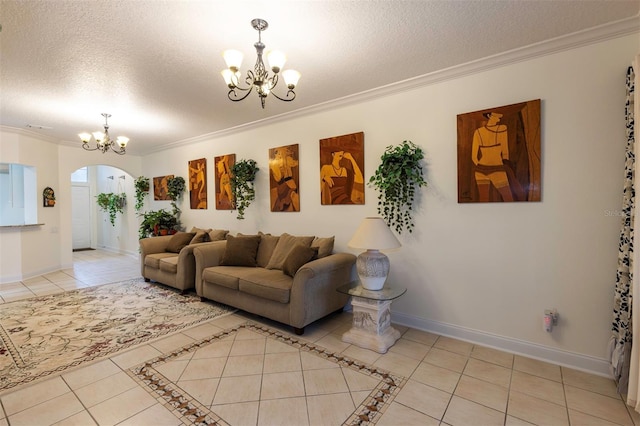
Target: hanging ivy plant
(396, 180)
(243, 174)
(142, 186)
(175, 188)
(112, 204)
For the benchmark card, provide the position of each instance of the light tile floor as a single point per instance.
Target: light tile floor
(450, 382)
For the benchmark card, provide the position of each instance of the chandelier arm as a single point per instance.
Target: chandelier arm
(236, 98)
(285, 99)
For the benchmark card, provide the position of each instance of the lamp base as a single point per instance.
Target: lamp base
(373, 268)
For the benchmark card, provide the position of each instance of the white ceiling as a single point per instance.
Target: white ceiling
(155, 64)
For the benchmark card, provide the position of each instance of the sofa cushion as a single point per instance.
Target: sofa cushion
(284, 246)
(240, 251)
(217, 234)
(153, 260)
(325, 246)
(169, 264)
(226, 276)
(267, 284)
(298, 256)
(178, 241)
(200, 236)
(268, 244)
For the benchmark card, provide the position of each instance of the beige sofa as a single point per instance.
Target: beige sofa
(169, 259)
(288, 279)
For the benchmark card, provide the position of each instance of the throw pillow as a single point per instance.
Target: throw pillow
(218, 234)
(240, 251)
(178, 241)
(298, 256)
(199, 237)
(284, 246)
(325, 246)
(268, 244)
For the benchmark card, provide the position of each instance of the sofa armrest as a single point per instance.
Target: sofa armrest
(313, 292)
(207, 255)
(152, 245)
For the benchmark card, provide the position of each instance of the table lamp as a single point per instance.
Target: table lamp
(372, 266)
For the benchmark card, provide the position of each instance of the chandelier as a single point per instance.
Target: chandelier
(259, 78)
(103, 141)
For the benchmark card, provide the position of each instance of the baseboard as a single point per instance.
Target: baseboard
(573, 360)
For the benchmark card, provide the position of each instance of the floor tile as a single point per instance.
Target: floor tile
(281, 362)
(357, 381)
(493, 356)
(485, 393)
(321, 382)
(33, 395)
(51, 411)
(105, 389)
(82, 418)
(202, 390)
(488, 372)
(135, 356)
(156, 415)
(536, 411)
(91, 373)
(438, 377)
(286, 411)
(243, 365)
(463, 412)
(397, 364)
(446, 359)
(410, 349)
(594, 404)
(238, 389)
(282, 385)
(398, 414)
(245, 413)
(172, 343)
(582, 419)
(425, 399)
(590, 382)
(537, 368)
(329, 410)
(453, 345)
(538, 387)
(121, 407)
(420, 336)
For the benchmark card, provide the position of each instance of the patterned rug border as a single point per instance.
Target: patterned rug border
(190, 411)
(69, 367)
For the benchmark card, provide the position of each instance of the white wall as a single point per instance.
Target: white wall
(26, 252)
(484, 272)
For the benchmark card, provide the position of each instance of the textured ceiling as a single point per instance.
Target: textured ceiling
(154, 65)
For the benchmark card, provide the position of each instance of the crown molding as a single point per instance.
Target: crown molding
(29, 133)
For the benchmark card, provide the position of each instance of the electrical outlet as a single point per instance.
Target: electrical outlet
(554, 315)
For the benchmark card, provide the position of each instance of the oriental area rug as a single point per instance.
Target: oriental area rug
(253, 374)
(47, 335)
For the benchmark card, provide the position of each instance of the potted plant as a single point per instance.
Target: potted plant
(243, 174)
(175, 188)
(142, 189)
(112, 204)
(396, 180)
(158, 222)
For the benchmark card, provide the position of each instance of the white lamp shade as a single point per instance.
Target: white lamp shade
(122, 141)
(99, 136)
(276, 60)
(228, 77)
(85, 137)
(373, 233)
(233, 59)
(291, 77)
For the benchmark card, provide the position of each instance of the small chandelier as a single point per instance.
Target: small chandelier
(258, 78)
(103, 141)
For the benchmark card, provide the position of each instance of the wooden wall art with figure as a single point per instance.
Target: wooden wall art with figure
(224, 195)
(341, 169)
(284, 179)
(499, 154)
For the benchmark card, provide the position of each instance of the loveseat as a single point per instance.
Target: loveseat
(288, 279)
(169, 259)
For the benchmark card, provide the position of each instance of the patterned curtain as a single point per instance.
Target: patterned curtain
(620, 342)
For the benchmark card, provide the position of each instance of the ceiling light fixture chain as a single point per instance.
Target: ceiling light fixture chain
(259, 78)
(104, 141)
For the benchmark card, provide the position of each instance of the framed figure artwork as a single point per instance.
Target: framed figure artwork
(499, 154)
(284, 179)
(224, 195)
(161, 187)
(341, 168)
(198, 184)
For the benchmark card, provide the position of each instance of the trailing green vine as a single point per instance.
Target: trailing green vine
(112, 204)
(175, 188)
(396, 180)
(142, 186)
(243, 174)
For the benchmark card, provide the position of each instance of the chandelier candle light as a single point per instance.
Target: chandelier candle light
(372, 266)
(259, 78)
(103, 141)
